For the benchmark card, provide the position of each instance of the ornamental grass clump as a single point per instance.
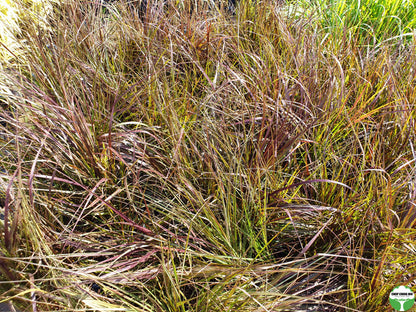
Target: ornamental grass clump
(188, 159)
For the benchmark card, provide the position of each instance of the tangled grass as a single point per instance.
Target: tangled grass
(186, 159)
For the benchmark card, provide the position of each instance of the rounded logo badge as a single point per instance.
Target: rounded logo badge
(402, 298)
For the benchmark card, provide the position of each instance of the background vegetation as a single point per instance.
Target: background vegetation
(379, 19)
(183, 157)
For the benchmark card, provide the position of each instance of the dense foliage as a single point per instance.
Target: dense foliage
(182, 157)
